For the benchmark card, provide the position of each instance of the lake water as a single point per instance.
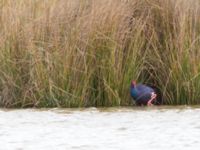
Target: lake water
(156, 128)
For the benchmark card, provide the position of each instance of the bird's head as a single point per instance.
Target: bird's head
(133, 83)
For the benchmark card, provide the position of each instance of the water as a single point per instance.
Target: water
(101, 129)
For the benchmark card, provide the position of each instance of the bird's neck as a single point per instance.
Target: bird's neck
(134, 91)
(133, 85)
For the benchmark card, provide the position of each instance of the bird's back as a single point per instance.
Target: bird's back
(144, 89)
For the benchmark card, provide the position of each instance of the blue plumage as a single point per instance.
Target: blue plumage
(141, 93)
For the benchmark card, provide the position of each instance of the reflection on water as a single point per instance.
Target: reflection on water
(100, 129)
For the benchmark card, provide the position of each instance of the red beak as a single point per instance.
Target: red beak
(133, 82)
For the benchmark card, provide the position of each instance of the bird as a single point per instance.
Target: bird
(142, 94)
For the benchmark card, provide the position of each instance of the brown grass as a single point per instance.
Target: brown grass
(71, 53)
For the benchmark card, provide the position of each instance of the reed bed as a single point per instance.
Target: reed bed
(81, 53)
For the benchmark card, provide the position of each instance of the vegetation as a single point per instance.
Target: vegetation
(79, 53)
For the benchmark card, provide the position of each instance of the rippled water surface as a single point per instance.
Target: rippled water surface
(159, 128)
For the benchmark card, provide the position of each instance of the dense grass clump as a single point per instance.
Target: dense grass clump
(72, 53)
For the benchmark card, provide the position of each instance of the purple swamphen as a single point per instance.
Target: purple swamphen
(142, 94)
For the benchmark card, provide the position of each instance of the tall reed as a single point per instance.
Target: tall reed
(74, 53)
